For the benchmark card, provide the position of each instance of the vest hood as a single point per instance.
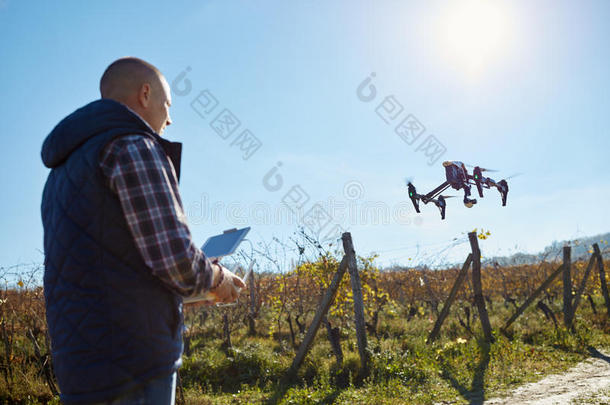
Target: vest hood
(77, 128)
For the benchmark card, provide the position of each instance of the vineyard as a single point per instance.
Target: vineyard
(268, 348)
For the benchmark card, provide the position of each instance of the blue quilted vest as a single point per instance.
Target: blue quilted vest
(113, 325)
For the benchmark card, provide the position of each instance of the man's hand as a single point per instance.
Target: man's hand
(229, 288)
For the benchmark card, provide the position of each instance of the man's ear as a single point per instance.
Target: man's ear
(144, 95)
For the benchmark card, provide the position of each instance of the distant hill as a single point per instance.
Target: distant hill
(580, 250)
(553, 252)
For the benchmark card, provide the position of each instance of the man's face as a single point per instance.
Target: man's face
(159, 107)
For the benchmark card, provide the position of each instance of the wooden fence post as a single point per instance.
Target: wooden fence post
(476, 285)
(531, 299)
(583, 284)
(567, 287)
(252, 309)
(445, 311)
(352, 266)
(327, 300)
(602, 276)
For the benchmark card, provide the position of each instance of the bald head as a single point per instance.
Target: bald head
(140, 86)
(127, 75)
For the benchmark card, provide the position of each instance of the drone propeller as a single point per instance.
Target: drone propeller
(483, 169)
(513, 176)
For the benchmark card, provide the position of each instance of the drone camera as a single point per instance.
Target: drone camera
(469, 202)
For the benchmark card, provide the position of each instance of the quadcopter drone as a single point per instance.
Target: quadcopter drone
(458, 178)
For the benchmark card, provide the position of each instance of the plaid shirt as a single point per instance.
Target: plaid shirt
(143, 178)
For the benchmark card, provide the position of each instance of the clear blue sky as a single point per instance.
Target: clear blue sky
(518, 86)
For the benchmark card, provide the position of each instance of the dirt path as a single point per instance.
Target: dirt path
(586, 383)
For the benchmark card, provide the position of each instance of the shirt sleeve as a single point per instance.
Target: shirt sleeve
(144, 179)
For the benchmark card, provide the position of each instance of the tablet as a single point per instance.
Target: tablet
(225, 243)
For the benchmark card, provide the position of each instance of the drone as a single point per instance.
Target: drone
(458, 178)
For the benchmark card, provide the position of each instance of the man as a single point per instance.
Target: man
(118, 253)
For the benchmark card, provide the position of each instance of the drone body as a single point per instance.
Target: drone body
(459, 179)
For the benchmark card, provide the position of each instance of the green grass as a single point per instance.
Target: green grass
(596, 398)
(458, 368)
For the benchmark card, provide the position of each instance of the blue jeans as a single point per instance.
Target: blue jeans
(160, 391)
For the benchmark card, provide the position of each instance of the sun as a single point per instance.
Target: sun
(475, 33)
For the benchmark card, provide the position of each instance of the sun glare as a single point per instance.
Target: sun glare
(475, 33)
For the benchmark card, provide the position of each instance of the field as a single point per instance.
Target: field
(242, 354)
